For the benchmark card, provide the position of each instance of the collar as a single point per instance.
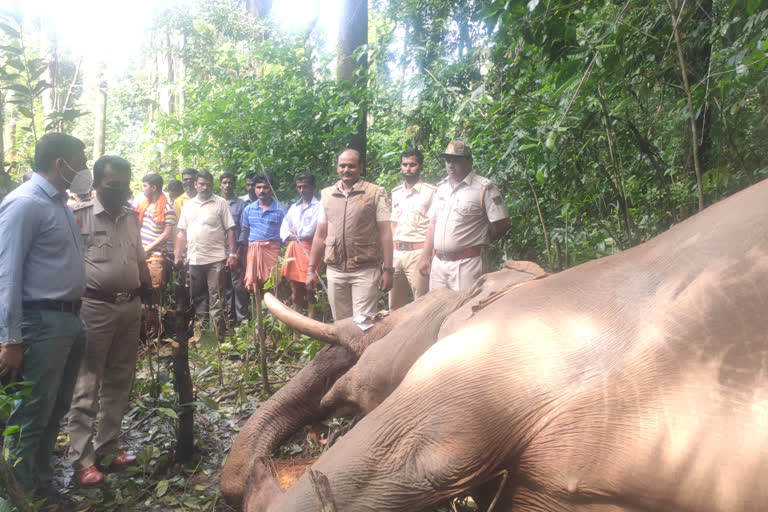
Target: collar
(355, 188)
(47, 186)
(233, 200)
(98, 208)
(467, 179)
(416, 189)
(312, 202)
(197, 199)
(272, 206)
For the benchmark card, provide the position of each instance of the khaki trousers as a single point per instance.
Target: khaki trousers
(457, 275)
(104, 380)
(407, 274)
(206, 293)
(353, 293)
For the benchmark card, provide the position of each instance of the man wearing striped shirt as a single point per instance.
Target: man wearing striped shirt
(157, 218)
(261, 228)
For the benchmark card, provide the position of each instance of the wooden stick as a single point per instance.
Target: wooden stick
(322, 490)
(14, 490)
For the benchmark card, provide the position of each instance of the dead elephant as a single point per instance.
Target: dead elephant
(636, 382)
(388, 350)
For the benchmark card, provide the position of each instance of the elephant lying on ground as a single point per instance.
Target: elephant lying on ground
(637, 382)
(399, 340)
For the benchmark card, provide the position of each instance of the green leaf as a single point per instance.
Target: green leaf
(168, 412)
(10, 430)
(9, 30)
(540, 176)
(161, 488)
(525, 147)
(208, 340)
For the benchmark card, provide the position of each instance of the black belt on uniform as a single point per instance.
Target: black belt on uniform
(112, 298)
(52, 305)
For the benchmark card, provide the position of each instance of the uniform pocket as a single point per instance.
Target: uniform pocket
(468, 208)
(334, 252)
(98, 250)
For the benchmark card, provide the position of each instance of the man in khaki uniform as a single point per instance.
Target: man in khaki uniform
(111, 310)
(410, 203)
(467, 214)
(206, 223)
(354, 233)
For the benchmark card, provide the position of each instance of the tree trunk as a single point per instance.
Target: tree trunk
(9, 144)
(185, 435)
(100, 127)
(48, 46)
(353, 33)
(2, 131)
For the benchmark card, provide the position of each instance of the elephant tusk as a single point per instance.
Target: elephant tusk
(303, 324)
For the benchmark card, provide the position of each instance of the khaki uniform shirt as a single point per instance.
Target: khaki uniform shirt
(112, 247)
(463, 215)
(206, 223)
(409, 211)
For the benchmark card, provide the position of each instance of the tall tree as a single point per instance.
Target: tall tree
(351, 71)
(101, 122)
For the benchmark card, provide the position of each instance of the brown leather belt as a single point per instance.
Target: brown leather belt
(112, 298)
(460, 255)
(408, 246)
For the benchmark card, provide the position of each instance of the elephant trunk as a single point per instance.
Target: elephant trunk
(301, 323)
(296, 404)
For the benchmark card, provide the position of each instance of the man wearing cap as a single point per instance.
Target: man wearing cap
(115, 267)
(467, 214)
(354, 234)
(42, 279)
(410, 203)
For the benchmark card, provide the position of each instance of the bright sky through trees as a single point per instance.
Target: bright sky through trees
(113, 32)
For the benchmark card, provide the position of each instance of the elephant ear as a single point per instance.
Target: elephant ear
(305, 325)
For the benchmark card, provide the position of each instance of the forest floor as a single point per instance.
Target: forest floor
(224, 400)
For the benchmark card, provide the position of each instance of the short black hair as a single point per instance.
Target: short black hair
(360, 159)
(115, 162)
(408, 153)
(227, 175)
(175, 186)
(154, 180)
(205, 175)
(189, 171)
(55, 145)
(260, 178)
(305, 176)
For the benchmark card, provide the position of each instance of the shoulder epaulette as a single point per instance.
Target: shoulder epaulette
(83, 205)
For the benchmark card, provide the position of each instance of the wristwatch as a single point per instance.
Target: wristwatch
(391, 270)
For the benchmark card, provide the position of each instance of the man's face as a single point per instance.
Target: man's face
(348, 167)
(305, 190)
(410, 168)
(204, 187)
(188, 182)
(249, 188)
(115, 187)
(227, 187)
(457, 167)
(148, 191)
(263, 191)
(69, 167)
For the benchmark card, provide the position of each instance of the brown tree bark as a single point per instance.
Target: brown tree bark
(185, 434)
(353, 33)
(101, 122)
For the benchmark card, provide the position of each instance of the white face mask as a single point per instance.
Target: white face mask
(82, 182)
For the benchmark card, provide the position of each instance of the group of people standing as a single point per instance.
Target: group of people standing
(74, 278)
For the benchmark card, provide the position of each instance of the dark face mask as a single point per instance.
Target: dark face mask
(112, 198)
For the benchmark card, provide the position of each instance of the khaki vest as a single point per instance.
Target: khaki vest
(353, 235)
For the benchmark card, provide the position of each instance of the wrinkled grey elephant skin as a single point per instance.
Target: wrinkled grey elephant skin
(637, 382)
(388, 350)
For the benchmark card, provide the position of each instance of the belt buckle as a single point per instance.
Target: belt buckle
(123, 298)
(445, 256)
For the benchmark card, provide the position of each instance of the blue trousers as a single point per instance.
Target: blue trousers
(54, 343)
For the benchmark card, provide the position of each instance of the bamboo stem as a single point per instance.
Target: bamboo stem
(689, 98)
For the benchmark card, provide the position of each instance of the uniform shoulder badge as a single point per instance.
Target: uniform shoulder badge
(83, 205)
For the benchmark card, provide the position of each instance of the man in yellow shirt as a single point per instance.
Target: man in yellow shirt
(188, 179)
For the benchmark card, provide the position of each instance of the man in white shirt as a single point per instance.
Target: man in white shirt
(205, 227)
(298, 228)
